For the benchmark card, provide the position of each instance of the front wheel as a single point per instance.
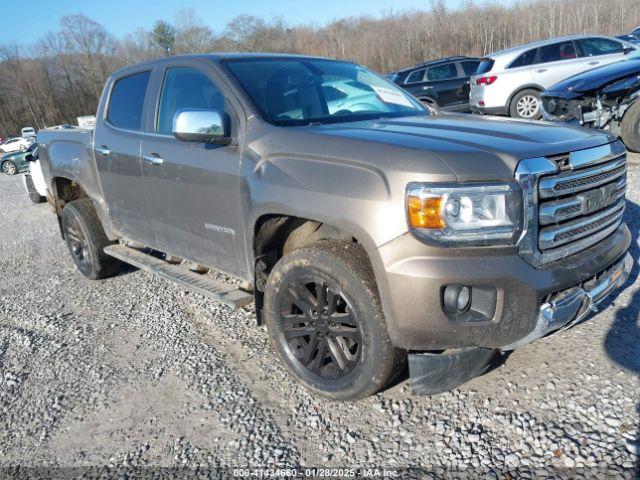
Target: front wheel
(526, 104)
(9, 168)
(86, 240)
(630, 127)
(326, 323)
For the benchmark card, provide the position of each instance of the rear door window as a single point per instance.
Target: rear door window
(485, 66)
(593, 47)
(416, 76)
(557, 52)
(442, 72)
(470, 67)
(524, 60)
(127, 101)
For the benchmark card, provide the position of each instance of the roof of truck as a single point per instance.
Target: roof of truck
(218, 57)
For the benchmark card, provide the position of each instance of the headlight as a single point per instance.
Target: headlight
(465, 215)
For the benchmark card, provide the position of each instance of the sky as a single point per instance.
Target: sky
(124, 16)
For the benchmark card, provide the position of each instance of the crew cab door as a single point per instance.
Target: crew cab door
(117, 140)
(193, 189)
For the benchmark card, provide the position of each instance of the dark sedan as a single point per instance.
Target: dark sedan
(606, 98)
(17, 162)
(442, 84)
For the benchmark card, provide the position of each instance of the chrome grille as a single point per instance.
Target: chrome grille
(572, 205)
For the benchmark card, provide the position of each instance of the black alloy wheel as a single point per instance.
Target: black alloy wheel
(319, 327)
(78, 245)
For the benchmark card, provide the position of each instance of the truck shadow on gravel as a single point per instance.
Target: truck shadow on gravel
(622, 342)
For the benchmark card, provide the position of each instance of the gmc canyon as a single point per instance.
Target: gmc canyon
(365, 230)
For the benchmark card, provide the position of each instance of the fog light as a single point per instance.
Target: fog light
(457, 298)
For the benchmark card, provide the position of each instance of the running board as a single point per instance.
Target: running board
(223, 292)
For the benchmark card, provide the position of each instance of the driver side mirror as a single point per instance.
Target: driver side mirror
(206, 126)
(628, 50)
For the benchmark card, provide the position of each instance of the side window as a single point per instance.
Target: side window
(592, 47)
(525, 59)
(126, 101)
(185, 87)
(442, 72)
(470, 67)
(415, 76)
(557, 52)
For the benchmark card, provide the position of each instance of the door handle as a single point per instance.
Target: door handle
(594, 63)
(103, 150)
(542, 70)
(153, 159)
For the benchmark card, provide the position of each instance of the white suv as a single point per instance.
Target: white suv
(509, 82)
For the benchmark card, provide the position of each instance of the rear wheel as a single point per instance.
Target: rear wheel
(86, 240)
(31, 190)
(9, 168)
(326, 323)
(630, 127)
(526, 104)
(431, 105)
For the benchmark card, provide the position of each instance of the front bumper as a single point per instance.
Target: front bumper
(411, 277)
(569, 307)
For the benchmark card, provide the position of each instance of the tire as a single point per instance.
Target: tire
(86, 240)
(347, 354)
(630, 127)
(431, 105)
(31, 190)
(9, 168)
(520, 106)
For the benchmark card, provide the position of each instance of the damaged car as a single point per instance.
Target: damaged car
(606, 98)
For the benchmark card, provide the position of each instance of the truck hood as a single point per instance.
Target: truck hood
(595, 79)
(473, 147)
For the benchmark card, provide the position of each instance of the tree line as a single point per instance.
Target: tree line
(60, 76)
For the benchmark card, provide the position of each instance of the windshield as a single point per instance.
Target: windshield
(303, 91)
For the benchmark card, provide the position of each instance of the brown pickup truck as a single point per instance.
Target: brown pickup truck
(366, 230)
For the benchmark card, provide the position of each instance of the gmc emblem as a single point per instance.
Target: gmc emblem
(599, 198)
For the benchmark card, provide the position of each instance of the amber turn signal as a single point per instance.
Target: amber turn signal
(425, 212)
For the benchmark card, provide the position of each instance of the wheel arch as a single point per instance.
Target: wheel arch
(65, 189)
(276, 234)
(528, 86)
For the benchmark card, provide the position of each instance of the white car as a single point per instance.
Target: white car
(34, 182)
(16, 143)
(510, 82)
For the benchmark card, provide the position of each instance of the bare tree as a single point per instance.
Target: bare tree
(61, 76)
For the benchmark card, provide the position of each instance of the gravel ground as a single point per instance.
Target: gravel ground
(134, 371)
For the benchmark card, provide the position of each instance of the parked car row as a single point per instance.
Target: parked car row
(20, 155)
(15, 144)
(583, 79)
